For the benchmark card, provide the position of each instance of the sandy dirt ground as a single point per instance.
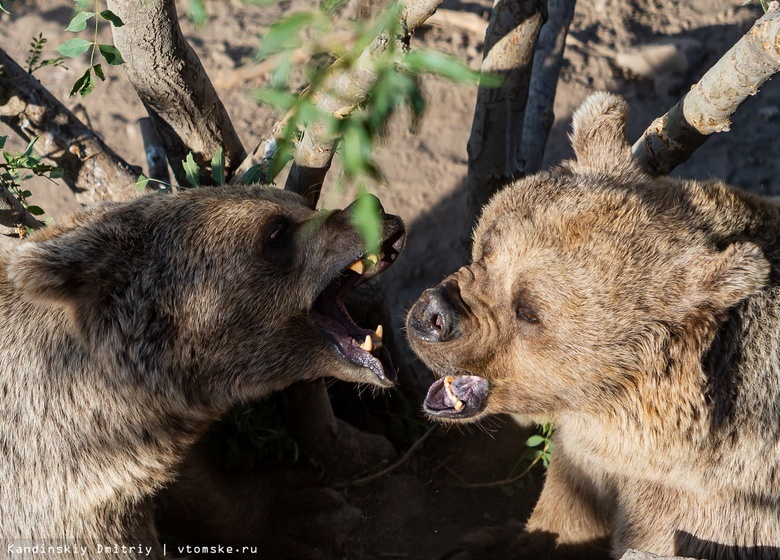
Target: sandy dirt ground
(423, 507)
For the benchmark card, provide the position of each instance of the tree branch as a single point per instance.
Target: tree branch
(88, 164)
(494, 146)
(548, 60)
(342, 92)
(173, 86)
(707, 107)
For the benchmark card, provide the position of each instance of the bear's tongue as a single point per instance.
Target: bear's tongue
(460, 396)
(359, 346)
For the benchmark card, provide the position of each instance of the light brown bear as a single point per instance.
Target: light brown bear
(640, 315)
(131, 327)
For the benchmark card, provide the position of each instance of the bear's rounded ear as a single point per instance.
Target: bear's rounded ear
(720, 281)
(598, 135)
(62, 269)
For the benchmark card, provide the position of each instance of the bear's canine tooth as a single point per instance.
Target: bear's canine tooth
(368, 344)
(358, 266)
(371, 260)
(456, 402)
(379, 332)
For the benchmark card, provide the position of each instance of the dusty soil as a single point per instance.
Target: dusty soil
(423, 507)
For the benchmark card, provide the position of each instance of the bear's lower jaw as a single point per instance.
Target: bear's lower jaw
(457, 397)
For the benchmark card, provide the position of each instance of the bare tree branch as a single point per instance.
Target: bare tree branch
(496, 134)
(173, 86)
(548, 60)
(88, 164)
(707, 107)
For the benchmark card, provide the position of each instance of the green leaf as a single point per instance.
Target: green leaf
(433, 62)
(84, 84)
(191, 170)
(279, 100)
(35, 210)
(535, 441)
(56, 173)
(79, 21)
(112, 17)
(356, 144)
(283, 35)
(28, 151)
(2, 6)
(140, 183)
(2, 141)
(218, 167)
(98, 68)
(111, 54)
(367, 221)
(198, 12)
(74, 47)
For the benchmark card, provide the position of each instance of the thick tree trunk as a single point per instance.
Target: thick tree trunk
(90, 167)
(548, 60)
(494, 146)
(173, 86)
(707, 107)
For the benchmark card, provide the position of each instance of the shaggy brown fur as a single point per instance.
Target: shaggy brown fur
(127, 330)
(641, 316)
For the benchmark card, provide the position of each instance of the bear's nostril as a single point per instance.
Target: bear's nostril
(433, 317)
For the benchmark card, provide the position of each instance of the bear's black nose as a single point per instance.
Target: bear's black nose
(434, 318)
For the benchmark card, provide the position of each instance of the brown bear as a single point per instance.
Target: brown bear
(129, 328)
(641, 316)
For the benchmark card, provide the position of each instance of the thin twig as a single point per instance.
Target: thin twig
(494, 483)
(391, 468)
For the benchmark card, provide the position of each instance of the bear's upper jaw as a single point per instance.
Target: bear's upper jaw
(356, 345)
(457, 397)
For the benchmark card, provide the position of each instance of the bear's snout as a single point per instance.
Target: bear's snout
(434, 317)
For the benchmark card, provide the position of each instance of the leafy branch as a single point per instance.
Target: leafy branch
(78, 46)
(35, 61)
(12, 170)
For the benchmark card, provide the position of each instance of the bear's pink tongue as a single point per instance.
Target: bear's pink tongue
(460, 396)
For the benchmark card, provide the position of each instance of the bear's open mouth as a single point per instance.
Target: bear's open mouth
(459, 396)
(357, 345)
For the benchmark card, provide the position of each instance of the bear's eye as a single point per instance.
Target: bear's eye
(278, 246)
(525, 314)
(278, 230)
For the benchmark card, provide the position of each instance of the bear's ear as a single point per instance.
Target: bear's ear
(718, 282)
(598, 135)
(65, 269)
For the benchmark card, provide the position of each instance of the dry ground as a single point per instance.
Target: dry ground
(422, 508)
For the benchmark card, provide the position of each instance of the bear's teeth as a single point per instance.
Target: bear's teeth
(368, 344)
(371, 260)
(358, 266)
(457, 404)
(379, 332)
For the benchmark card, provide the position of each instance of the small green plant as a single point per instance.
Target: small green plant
(541, 444)
(12, 173)
(34, 59)
(78, 46)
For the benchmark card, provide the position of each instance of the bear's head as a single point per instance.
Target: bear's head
(216, 294)
(588, 280)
